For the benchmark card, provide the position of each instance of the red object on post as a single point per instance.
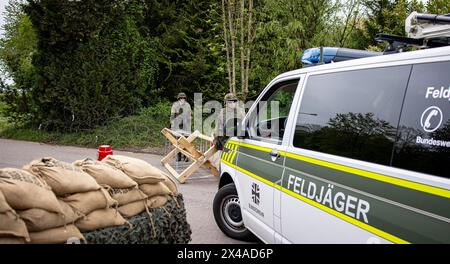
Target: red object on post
(103, 151)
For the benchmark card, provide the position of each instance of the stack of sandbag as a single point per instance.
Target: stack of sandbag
(123, 189)
(157, 186)
(12, 228)
(46, 219)
(80, 192)
(56, 202)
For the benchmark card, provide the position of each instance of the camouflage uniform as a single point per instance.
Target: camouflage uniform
(225, 115)
(180, 119)
(180, 115)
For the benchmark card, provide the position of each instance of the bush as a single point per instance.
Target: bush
(92, 63)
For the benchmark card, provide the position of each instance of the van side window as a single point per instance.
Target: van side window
(352, 114)
(423, 140)
(268, 120)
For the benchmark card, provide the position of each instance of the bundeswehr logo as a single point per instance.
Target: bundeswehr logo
(255, 193)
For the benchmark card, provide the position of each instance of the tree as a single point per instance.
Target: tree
(189, 45)
(352, 13)
(383, 16)
(283, 30)
(17, 46)
(92, 62)
(438, 6)
(237, 18)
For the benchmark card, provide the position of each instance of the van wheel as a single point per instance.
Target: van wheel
(227, 213)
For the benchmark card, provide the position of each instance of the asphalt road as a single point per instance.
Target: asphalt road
(198, 191)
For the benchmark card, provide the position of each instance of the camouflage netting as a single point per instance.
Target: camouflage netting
(168, 225)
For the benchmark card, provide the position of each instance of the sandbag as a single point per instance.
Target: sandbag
(64, 178)
(11, 226)
(171, 184)
(126, 196)
(4, 206)
(38, 219)
(132, 209)
(155, 189)
(100, 219)
(11, 240)
(137, 169)
(87, 202)
(24, 191)
(57, 235)
(157, 201)
(104, 173)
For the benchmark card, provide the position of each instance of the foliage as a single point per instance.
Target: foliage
(189, 44)
(92, 62)
(385, 16)
(16, 50)
(282, 34)
(3, 119)
(438, 6)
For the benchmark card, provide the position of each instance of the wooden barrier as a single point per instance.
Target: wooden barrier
(185, 146)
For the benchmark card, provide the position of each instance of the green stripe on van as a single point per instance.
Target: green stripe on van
(424, 201)
(401, 222)
(263, 169)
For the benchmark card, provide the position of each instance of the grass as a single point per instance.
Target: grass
(139, 131)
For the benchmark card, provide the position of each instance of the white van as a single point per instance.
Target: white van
(362, 155)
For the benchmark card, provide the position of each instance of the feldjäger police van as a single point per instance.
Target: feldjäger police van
(362, 153)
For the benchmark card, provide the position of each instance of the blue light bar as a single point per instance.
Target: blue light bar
(311, 56)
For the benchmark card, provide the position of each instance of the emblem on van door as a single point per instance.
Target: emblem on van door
(431, 119)
(255, 193)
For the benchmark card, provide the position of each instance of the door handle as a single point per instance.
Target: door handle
(274, 154)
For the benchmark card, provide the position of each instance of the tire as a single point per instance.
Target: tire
(228, 216)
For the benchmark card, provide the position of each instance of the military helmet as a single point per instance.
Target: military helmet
(181, 95)
(230, 97)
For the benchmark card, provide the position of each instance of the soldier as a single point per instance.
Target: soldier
(180, 119)
(180, 114)
(223, 125)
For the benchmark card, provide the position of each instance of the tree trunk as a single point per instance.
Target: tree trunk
(227, 48)
(350, 20)
(242, 47)
(249, 47)
(231, 23)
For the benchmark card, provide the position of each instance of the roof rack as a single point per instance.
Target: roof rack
(424, 31)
